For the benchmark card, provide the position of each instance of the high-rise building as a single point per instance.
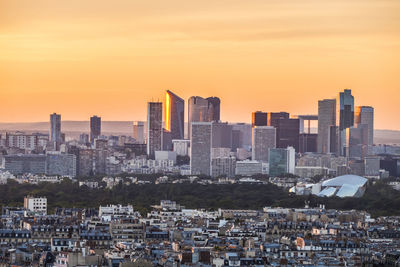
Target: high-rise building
(95, 128)
(365, 115)
(215, 102)
(174, 115)
(242, 137)
(356, 145)
(166, 140)
(259, 118)
(326, 119)
(275, 117)
(308, 142)
(221, 135)
(281, 161)
(344, 118)
(203, 110)
(55, 130)
(154, 127)
(345, 109)
(287, 132)
(201, 144)
(263, 139)
(139, 131)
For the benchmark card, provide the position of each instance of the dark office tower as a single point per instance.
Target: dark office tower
(55, 130)
(275, 117)
(345, 109)
(287, 131)
(308, 142)
(95, 128)
(154, 128)
(259, 119)
(326, 119)
(215, 102)
(202, 110)
(344, 118)
(166, 140)
(333, 139)
(365, 115)
(174, 115)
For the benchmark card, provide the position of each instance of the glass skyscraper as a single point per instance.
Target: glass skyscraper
(174, 115)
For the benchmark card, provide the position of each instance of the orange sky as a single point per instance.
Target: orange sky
(85, 57)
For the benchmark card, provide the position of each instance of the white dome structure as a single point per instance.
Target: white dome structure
(344, 186)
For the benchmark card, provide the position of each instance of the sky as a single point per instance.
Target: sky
(86, 57)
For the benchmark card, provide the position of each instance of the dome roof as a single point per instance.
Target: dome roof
(349, 179)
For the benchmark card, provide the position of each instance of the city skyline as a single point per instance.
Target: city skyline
(250, 120)
(258, 55)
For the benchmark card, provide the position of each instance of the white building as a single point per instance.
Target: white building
(181, 147)
(107, 213)
(35, 205)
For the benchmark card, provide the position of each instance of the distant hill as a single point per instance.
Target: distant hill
(74, 128)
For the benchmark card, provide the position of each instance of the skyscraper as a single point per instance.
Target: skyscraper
(345, 109)
(287, 132)
(154, 127)
(201, 145)
(326, 119)
(275, 117)
(221, 135)
(55, 130)
(203, 110)
(215, 102)
(259, 118)
(344, 118)
(174, 115)
(95, 128)
(263, 138)
(365, 115)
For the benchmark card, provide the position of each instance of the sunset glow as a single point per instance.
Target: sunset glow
(79, 58)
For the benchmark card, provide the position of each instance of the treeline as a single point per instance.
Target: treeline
(380, 199)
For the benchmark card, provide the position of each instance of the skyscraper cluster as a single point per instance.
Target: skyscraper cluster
(343, 128)
(210, 147)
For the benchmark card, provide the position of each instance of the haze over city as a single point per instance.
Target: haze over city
(80, 58)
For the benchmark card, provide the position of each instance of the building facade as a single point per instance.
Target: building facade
(326, 120)
(281, 161)
(263, 139)
(154, 127)
(200, 150)
(174, 115)
(95, 128)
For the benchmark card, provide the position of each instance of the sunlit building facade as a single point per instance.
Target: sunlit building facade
(174, 115)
